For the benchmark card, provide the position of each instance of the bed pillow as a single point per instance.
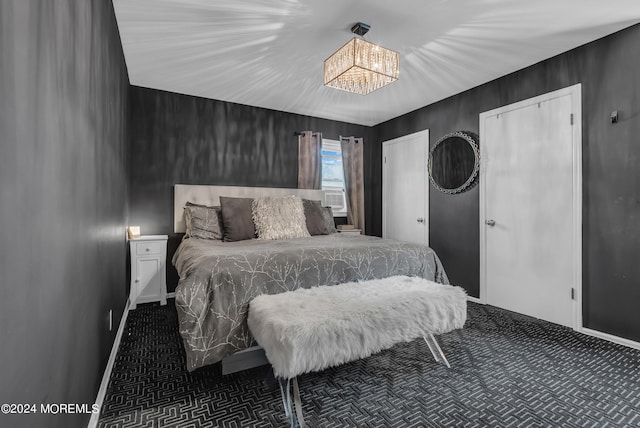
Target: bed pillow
(202, 222)
(237, 220)
(279, 218)
(315, 217)
(327, 213)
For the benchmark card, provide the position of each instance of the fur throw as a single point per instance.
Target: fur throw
(312, 329)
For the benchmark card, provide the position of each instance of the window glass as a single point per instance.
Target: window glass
(333, 177)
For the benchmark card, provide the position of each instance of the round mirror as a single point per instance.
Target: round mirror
(454, 162)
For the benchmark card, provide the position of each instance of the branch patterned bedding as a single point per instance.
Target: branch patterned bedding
(219, 279)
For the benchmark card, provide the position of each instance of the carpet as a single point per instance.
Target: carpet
(508, 370)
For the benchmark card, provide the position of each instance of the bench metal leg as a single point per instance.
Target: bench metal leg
(295, 420)
(298, 403)
(432, 343)
(293, 409)
(286, 396)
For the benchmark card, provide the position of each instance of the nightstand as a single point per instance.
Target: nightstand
(148, 275)
(349, 232)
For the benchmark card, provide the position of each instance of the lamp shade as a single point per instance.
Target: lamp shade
(361, 67)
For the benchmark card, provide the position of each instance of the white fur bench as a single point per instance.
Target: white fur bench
(312, 329)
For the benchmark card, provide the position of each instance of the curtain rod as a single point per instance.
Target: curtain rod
(298, 133)
(347, 139)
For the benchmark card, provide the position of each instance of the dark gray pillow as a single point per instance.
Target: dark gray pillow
(315, 217)
(327, 213)
(202, 222)
(237, 220)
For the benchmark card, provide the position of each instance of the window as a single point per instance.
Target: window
(333, 177)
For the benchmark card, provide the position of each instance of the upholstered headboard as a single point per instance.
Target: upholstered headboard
(210, 195)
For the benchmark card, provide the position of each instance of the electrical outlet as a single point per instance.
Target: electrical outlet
(110, 319)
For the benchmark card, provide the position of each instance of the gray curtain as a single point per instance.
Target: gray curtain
(309, 160)
(352, 162)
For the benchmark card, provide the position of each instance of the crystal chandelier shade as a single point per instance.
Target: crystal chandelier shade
(361, 67)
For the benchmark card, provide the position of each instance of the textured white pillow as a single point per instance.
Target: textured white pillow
(279, 218)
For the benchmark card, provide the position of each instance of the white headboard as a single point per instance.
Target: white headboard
(210, 195)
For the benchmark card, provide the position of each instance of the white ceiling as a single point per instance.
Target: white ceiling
(270, 53)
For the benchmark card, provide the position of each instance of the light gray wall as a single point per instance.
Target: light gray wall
(64, 168)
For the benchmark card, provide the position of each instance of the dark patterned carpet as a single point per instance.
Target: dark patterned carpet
(508, 370)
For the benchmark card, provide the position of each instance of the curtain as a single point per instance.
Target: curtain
(352, 162)
(309, 160)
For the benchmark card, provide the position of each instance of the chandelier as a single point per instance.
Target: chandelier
(361, 67)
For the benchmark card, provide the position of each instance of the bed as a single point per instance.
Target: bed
(218, 279)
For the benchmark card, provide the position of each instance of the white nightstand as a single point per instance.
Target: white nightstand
(349, 232)
(148, 275)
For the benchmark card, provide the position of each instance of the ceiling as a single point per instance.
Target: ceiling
(270, 53)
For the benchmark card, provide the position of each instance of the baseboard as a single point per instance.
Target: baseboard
(93, 422)
(611, 338)
(475, 300)
(588, 332)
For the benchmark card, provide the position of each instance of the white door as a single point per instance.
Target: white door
(405, 197)
(530, 206)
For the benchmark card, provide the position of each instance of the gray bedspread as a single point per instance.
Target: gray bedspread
(219, 279)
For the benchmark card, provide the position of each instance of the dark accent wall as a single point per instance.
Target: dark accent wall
(609, 70)
(190, 140)
(63, 201)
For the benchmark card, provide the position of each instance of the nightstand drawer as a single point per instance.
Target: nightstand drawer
(148, 248)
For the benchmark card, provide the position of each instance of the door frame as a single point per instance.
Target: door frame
(420, 134)
(575, 92)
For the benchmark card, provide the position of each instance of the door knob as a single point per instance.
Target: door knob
(490, 222)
